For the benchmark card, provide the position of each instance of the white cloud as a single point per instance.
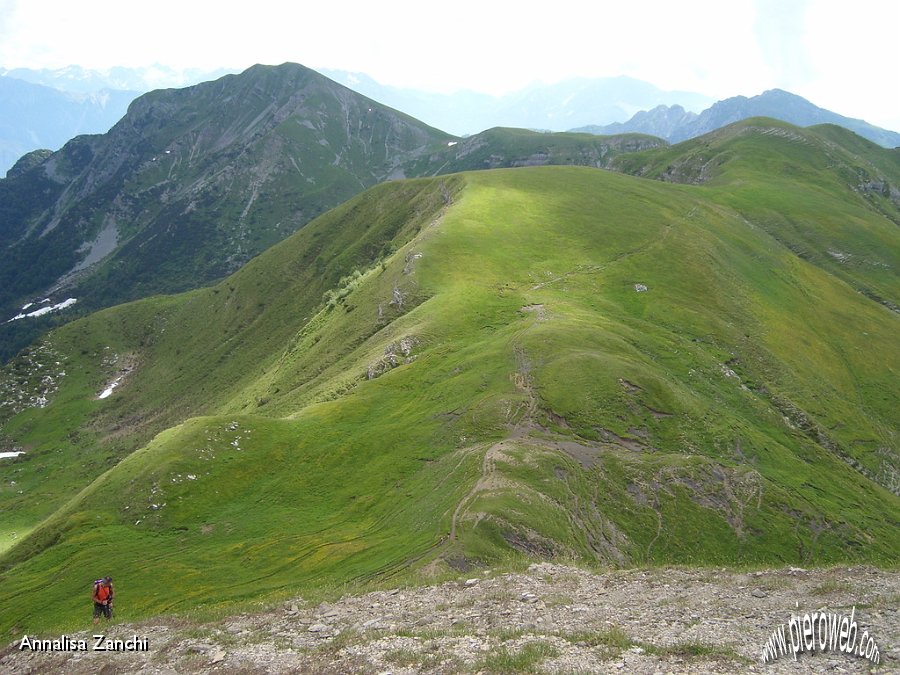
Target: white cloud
(837, 55)
(854, 60)
(780, 27)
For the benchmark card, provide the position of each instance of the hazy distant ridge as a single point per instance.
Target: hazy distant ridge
(676, 124)
(34, 116)
(553, 107)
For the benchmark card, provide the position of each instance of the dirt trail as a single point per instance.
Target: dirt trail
(487, 481)
(489, 478)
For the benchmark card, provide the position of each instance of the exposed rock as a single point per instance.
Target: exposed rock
(395, 354)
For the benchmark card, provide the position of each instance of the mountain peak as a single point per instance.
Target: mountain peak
(191, 183)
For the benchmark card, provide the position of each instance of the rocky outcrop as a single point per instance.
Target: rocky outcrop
(395, 354)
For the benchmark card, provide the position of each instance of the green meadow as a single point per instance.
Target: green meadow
(476, 369)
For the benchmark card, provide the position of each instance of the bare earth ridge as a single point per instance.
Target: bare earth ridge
(551, 618)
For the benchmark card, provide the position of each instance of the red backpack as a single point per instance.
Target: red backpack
(102, 592)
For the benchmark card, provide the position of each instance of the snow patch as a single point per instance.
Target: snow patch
(4, 455)
(126, 364)
(44, 310)
(450, 144)
(109, 390)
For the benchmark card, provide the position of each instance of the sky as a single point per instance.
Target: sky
(841, 56)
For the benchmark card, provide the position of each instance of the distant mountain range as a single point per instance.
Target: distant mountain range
(34, 116)
(80, 80)
(550, 107)
(42, 109)
(676, 124)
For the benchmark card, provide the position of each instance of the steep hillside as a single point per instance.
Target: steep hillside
(675, 124)
(781, 178)
(449, 372)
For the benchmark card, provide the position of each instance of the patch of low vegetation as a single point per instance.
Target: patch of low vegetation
(524, 659)
(829, 587)
(610, 642)
(697, 651)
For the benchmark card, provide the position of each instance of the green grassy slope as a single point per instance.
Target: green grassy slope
(832, 199)
(825, 175)
(459, 370)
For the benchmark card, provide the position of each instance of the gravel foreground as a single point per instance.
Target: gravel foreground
(550, 619)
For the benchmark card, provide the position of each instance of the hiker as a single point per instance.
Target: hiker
(103, 599)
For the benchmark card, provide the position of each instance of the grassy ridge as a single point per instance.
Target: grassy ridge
(550, 361)
(502, 147)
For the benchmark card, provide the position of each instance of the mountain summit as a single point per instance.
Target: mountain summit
(193, 182)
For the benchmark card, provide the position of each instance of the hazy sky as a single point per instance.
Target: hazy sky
(842, 56)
